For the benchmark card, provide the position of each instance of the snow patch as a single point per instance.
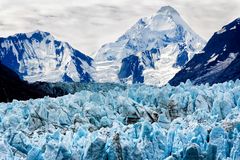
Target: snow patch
(213, 58)
(234, 27)
(221, 31)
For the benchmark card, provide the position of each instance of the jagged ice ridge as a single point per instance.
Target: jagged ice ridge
(139, 122)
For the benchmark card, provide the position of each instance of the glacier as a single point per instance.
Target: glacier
(133, 122)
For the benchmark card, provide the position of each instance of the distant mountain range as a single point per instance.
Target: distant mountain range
(38, 56)
(150, 52)
(220, 60)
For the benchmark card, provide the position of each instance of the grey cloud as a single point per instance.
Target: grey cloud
(89, 24)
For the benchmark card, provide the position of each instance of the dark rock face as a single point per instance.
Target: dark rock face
(182, 59)
(131, 67)
(12, 87)
(219, 62)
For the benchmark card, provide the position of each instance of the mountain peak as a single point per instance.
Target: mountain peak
(234, 25)
(150, 46)
(168, 10)
(38, 56)
(38, 32)
(237, 21)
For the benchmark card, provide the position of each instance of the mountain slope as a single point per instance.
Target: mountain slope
(157, 47)
(220, 60)
(12, 87)
(38, 56)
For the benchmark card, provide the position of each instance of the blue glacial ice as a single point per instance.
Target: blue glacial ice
(136, 123)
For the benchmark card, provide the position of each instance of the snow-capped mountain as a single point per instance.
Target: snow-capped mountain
(38, 56)
(152, 51)
(220, 60)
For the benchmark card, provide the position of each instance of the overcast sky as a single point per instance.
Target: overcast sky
(88, 24)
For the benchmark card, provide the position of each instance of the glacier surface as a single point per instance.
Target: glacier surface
(137, 122)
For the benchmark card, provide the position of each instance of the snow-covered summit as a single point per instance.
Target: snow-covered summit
(158, 45)
(168, 10)
(38, 56)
